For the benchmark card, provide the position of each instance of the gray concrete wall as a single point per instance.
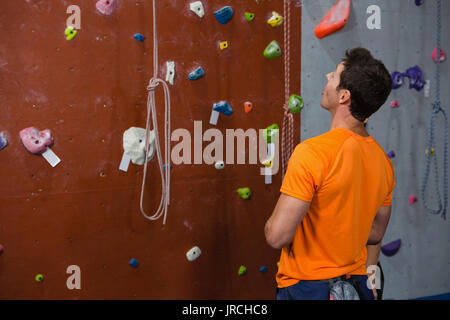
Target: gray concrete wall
(406, 38)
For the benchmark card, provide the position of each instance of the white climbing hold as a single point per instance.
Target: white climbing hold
(193, 254)
(197, 8)
(220, 165)
(170, 71)
(134, 144)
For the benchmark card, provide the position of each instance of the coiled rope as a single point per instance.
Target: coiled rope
(151, 110)
(442, 209)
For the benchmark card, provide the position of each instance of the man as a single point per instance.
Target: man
(336, 195)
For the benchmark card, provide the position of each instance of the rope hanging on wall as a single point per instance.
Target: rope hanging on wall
(431, 143)
(287, 135)
(151, 110)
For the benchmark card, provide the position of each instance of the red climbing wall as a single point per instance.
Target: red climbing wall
(88, 91)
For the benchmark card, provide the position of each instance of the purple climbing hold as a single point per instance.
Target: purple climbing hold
(397, 79)
(391, 248)
(419, 2)
(391, 154)
(416, 80)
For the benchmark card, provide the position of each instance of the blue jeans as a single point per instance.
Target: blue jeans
(309, 290)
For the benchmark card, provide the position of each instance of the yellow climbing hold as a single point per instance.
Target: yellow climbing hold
(223, 45)
(275, 20)
(432, 151)
(268, 162)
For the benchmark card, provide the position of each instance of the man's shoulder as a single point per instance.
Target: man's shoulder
(327, 143)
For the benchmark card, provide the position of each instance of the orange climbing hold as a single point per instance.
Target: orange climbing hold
(335, 19)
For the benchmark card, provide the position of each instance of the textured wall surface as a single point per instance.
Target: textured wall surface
(407, 38)
(88, 91)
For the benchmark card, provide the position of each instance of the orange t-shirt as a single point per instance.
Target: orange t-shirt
(346, 177)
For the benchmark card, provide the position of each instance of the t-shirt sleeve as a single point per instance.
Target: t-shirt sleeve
(388, 201)
(304, 173)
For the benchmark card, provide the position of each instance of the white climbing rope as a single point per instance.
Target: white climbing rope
(151, 110)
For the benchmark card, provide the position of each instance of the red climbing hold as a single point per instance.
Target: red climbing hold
(412, 199)
(335, 19)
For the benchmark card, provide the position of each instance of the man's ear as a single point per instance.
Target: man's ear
(344, 96)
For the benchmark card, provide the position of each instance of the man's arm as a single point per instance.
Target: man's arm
(379, 225)
(284, 221)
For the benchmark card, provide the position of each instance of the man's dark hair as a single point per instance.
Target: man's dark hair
(368, 81)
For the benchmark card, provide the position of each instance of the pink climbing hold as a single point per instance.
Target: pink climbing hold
(441, 56)
(395, 104)
(391, 248)
(106, 6)
(36, 141)
(412, 199)
(1, 249)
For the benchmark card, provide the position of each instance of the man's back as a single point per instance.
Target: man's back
(346, 177)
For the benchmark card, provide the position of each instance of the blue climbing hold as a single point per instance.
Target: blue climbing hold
(196, 74)
(415, 76)
(165, 167)
(391, 154)
(134, 263)
(263, 269)
(224, 15)
(223, 107)
(3, 141)
(397, 79)
(139, 37)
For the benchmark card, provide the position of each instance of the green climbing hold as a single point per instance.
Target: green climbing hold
(271, 132)
(70, 33)
(244, 193)
(39, 278)
(242, 270)
(249, 16)
(272, 51)
(295, 103)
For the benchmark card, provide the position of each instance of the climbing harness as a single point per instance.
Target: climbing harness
(287, 135)
(151, 110)
(431, 143)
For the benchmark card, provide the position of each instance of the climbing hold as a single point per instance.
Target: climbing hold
(244, 193)
(197, 8)
(275, 20)
(70, 33)
(249, 16)
(223, 45)
(391, 248)
(3, 141)
(412, 199)
(391, 154)
(220, 107)
(441, 55)
(427, 151)
(272, 51)
(268, 162)
(335, 19)
(106, 6)
(248, 106)
(278, 263)
(295, 103)
(416, 80)
(193, 253)
(223, 107)
(39, 278)
(224, 15)
(219, 165)
(196, 74)
(134, 263)
(170, 75)
(36, 141)
(397, 79)
(263, 269)
(134, 145)
(395, 104)
(271, 132)
(164, 167)
(242, 270)
(1, 249)
(139, 37)
(419, 2)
